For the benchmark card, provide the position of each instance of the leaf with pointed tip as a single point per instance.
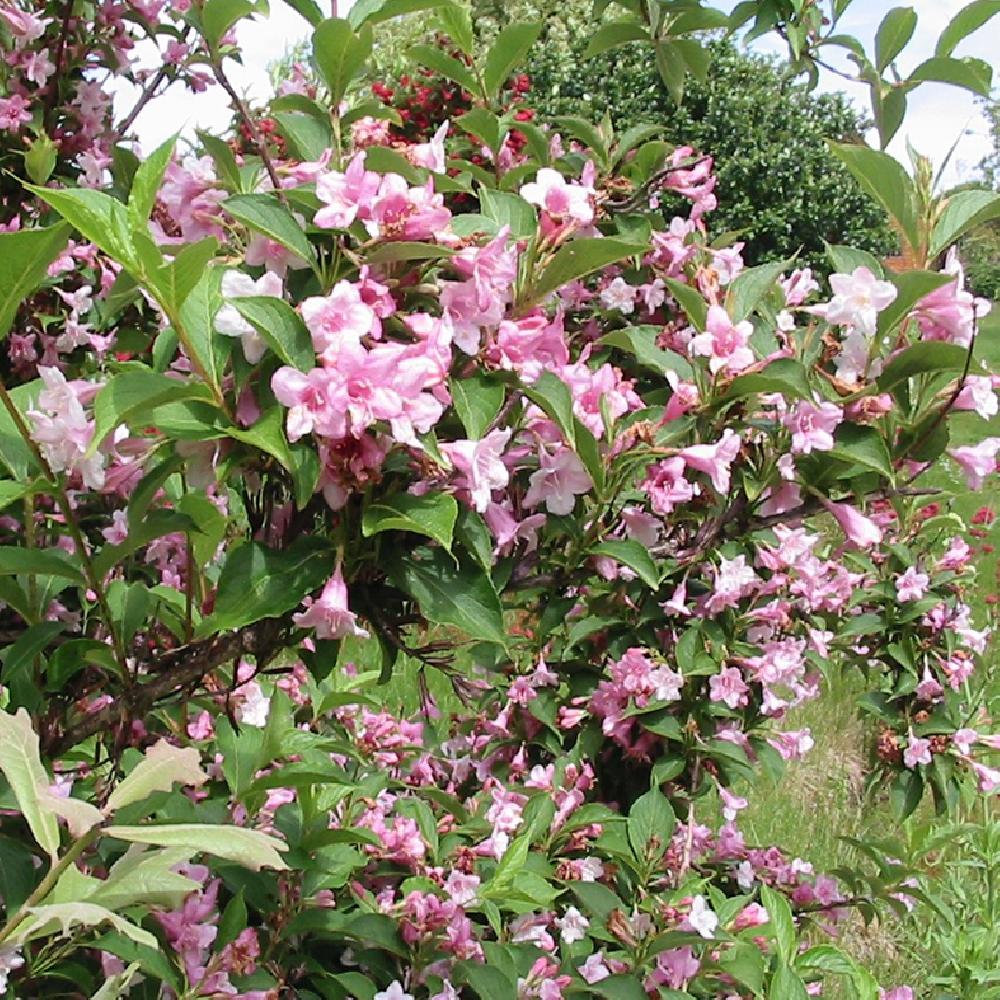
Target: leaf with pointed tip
(25, 257)
(250, 848)
(969, 19)
(163, 766)
(62, 918)
(265, 214)
(433, 515)
(507, 51)
(340, 54)
(578, 259)
(21, 765)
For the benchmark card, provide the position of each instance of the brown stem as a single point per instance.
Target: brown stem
(148, 93)
(259, 142)
(173, 672)
(50, 98)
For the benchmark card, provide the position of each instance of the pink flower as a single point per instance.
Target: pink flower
(918, 751)
(812, 426)
(23, 26)
(346, 196)
(988, 778)
(715, 459)
(858, 298)
(560, 199)
(430, 155)
(481, 462)
(312, 400)
(977, 394)
(594, 970)
(666, 485)
(676, 967)
(619, 295)
(912, 585)
(560, 478)
(977, 461)
(342, 317)
(752, 915)
(859, 529)
(329, 614)
(728, 686)
(898, 993)
(725, 343)
(950, 313)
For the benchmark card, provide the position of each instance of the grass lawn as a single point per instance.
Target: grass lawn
(824, 798)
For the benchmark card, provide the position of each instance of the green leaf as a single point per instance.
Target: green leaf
(613, 34)
(258, 582)
(911, 287)
(98, 217)
(142, 876)
(785, 375)
(281, 326)
(249, 848)
(119, 984)
(672, 66)
(975, 75)
(242, 754)
(456, 21)
(376, 11)
(308, 138)
(39, 562)
(482, 124)
(510, 47)
(905, 793)
(309, 9)
(340, 54)
(863, 446)
(927, 356)
(780, 920)
(448, 66)
(20, 655)
(690, 300)
(846, 260)
(62, 918)
(786, 984)
(507, 209)
(405, 250)
(650, 826)
(162, 766)
(265, 214)
(218, 16)
(487, 982)
(893, 35)
(621, 987)
(477, 401)
(432, 514)
(969, 19)
(127, 397)
(552, 394)
(640, 342)
(630, 553)
(25, 257)
(462, 596)
(961, 213)
(749, 288)
(585, 131)
(197, 331)
(21, 765)
(146, 184)
(886, 181)
(578, 259)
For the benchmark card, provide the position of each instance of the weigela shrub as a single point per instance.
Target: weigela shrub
(415, 541)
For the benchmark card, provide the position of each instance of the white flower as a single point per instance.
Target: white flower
(858, 298)
(394, 991)
(619, 295)
(701, 918)
(228, 321)
(572, 925)
(254, 707)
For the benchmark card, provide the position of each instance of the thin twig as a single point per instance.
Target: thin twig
(258, 139)
(148, 92)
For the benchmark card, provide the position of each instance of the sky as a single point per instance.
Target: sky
(936, 118)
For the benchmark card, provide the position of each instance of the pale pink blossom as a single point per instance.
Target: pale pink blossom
(977, 461)
(715, 459)
(812, 426)
(559, 198)
(725, 343)
(338, 319)
(858, 298)
(911, 585)
(918, 751)
(481, 464)
(230, 322)
(560, 479)
(860, 530)
(329, 614)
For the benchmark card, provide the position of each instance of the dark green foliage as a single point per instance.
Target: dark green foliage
(777, 180)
